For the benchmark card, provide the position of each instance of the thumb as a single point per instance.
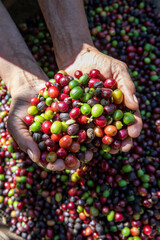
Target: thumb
(124, 82)
(20, 133)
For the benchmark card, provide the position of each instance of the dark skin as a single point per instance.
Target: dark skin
(74, 49)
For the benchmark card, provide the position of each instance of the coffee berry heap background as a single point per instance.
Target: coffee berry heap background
(110, 197)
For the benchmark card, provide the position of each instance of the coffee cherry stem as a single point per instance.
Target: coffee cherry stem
(74, 136)
(55, 100)
(81, 104)
(90, 119)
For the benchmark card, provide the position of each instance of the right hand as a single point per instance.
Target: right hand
(90, 58)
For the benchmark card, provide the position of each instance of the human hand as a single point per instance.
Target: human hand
(21, 97)
(17, 127)
(90, 58)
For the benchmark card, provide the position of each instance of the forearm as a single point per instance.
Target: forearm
(17, 64)
(67, 23)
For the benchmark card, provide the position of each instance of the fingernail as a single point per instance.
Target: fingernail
(50, 166)
(30, 153)
(135, 98)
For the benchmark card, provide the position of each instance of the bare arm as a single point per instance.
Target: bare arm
(67, 23)
(17, 65)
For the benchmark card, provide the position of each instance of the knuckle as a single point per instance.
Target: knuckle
(21, 146)
(122, 66)
(118, 67)
(133, 87)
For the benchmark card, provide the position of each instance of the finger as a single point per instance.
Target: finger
(135, 129)
(20, 133)
(58, 165)
(126, 144)
(114, 151)
(124, 82)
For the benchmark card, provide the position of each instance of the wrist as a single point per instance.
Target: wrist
(75, 53)
(19, 81)
(22, 71)
(68, 26)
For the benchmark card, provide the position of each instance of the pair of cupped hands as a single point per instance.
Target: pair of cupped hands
(85, 61)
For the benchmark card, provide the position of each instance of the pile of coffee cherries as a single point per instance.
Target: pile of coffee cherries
(111, 197)
(71, 113)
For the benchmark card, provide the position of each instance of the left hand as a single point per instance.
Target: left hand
(90, 58)
(21, 97)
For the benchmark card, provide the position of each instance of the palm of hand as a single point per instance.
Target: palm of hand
(16, 124)
(112, 68)
(19, 130)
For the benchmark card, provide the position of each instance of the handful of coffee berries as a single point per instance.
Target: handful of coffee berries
(71, 118)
